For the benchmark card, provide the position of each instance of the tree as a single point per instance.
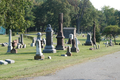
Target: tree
(98, 35)
(47, 13)
(110, 15)
(14, 15)
(112, 30)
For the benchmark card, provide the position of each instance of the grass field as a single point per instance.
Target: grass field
(26, 66)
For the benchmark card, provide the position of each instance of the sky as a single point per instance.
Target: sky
(98, 4)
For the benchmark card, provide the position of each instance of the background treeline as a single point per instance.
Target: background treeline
(34, 15)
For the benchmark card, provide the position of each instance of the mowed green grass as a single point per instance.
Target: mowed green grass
(26, 66)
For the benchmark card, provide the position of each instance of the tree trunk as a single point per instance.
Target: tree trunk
(114, 40)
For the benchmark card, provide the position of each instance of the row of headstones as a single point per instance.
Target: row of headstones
(19, 43)
(49, 48)
(7, 61)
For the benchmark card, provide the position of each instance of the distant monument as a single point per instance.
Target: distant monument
(69, 30)
(60, 37)
(68, 51)
(74, 48)
(93, 37)
(88, 41)
(70, 38)
(49, 48)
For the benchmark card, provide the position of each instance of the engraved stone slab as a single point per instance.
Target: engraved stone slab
(10, 61)
(3, 62)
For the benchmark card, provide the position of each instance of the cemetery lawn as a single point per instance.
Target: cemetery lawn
(26, 66)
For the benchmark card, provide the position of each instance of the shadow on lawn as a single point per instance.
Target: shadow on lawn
(19, 53)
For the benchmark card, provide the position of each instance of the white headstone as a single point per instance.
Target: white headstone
(10, 61)
(76, 40)
(71, 36)
(38, 48)
(3, 62)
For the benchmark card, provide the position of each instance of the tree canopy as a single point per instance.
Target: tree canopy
(112, 31)
(20, 15)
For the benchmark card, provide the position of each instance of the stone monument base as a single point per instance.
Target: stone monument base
(88, 44)
(69, 54)
(74, 50)
(37, 57)
(13, 51)
(9, 48)
(49, 51)
(60, 47)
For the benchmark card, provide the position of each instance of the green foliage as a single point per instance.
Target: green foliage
(48, 12)
(112, 30)
(13, 14)
(98, 35)
(13, 33)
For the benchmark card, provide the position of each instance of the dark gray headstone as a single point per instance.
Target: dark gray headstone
(49, 48)
(68, 51)
(10, 61)
(74, 49)
(21, 37)
(88, 41)
(69, 30)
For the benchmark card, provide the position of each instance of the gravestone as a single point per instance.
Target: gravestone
(69, 30)
(39, 37)
(44, 41)
(9, 41)
(88, 41)
(76, 40)
(93, 37)
(98, 46)
(39, 54)
(21, 39)
(70, 38)
(24, 46)
(60, 37)
(49, 48)
(2, 30)
(74, 49)
(33, 42)
(18, 46)
(4, 44)
(13, 45)
(110, 44)
(68, 51)
(10, 61)
(49, 57)
(3, 62)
